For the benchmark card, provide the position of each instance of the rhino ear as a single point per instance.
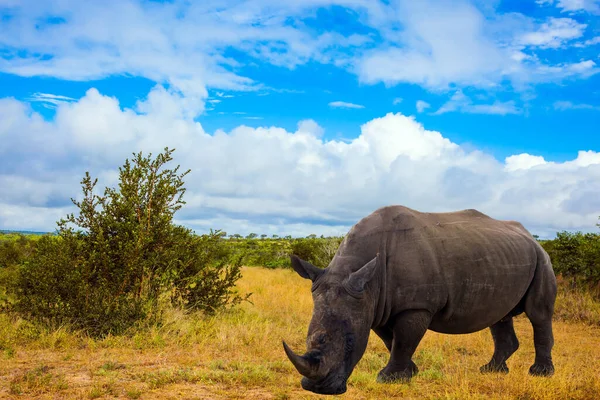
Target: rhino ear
(357, 281)
(305, 269)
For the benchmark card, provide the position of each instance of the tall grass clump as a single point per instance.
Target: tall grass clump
(119, 259)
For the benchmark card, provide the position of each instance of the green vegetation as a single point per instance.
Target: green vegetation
(576, 258)
(121, 260)
(185, 276)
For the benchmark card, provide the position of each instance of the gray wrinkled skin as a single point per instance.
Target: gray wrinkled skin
(400, 272)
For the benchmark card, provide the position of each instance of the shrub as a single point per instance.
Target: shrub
(576, 257)
(15, 249)
(317, 251)
(110, 265)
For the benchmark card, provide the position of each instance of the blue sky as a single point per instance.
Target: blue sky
(513, 86)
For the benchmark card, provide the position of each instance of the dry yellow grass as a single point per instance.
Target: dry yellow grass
(239, 355)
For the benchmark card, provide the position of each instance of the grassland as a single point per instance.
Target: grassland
(239, 355)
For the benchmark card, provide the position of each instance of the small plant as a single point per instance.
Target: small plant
(133, 393)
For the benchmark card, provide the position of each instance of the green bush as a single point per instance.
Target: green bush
(317, 251)
(15, 249)
(121, 258)
(576, 257)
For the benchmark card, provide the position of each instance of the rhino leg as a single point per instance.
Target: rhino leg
(539, 307)
(408, 329)
(505, 344)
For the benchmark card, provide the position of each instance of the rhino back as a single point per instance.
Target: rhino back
(466, 268)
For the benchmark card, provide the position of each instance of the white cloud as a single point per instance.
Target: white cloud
(422, 106)
(590, 42)
(184, 45)
(454, 44)
(460, 102)
(441, 43)
(585, 68)
(269, 180)
(180, 44)
(343, 104)
(397, 101)
(568, 105)
(553, 34)
(523, 161)
(592, 6)
(310, 127)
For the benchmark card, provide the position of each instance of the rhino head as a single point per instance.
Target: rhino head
(339, 330)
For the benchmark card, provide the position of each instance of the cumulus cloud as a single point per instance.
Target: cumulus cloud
(310, 127)
(522, 162)
(273, 181)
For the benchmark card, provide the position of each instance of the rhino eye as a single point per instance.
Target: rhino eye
(321, 338)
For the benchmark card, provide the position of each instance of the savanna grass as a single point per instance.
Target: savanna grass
(238, 354)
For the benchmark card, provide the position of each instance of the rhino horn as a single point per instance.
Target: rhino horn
(306, 365)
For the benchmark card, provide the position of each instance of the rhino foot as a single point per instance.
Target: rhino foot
(492, 367)
(539, 369)
(387, 375)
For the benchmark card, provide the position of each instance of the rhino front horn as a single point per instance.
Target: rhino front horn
(307, 366)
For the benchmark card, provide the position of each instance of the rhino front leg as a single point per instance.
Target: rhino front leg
(408, 329)
(505, 344)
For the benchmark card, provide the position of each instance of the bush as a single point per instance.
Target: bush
(317, 251)
(15, 249)
(115, 263)
(576, 257)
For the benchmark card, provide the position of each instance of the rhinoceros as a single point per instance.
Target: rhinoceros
(400, 272)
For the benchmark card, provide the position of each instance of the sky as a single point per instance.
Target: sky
(303, 116)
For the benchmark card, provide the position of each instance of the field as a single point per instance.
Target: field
(239, 355)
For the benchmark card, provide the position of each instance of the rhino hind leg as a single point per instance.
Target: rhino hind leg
(539, 307)
(505, 344)
(543, 341)
(408, 329)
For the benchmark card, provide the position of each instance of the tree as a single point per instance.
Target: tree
(113, 261)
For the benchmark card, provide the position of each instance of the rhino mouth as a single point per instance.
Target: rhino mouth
(332, 384)
(313, 379)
